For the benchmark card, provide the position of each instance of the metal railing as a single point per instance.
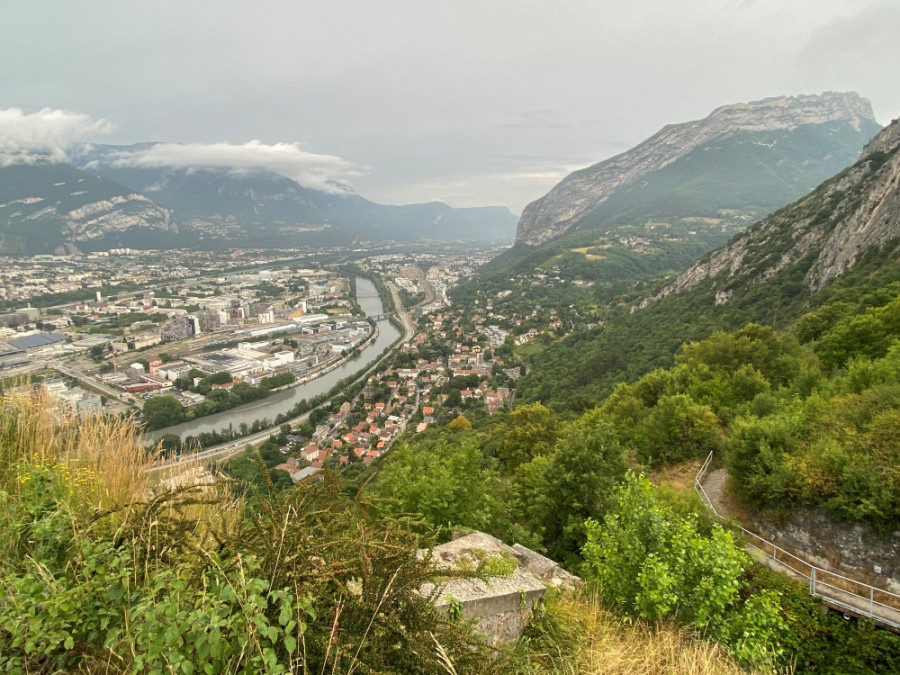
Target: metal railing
(849, 595)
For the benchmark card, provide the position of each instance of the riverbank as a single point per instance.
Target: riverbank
(284, 402)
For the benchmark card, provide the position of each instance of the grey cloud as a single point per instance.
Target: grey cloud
(312, 170)
(46, 134)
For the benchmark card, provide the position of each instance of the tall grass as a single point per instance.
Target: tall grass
(99, 460)
(95, 468)
(577, 636)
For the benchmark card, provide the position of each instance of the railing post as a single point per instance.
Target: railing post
(871, 601)
(812, 581)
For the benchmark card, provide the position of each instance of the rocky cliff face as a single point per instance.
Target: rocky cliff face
(49, 207)
(829, 230)
(585, 190)
(118, 214)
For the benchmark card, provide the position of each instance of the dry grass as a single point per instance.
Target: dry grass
(592, 641)
(100, 460)
(680, 477)
(98, 464)
(591, 256)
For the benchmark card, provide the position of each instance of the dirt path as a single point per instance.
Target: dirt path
(714, 486)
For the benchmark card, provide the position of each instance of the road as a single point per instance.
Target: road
(105, 389)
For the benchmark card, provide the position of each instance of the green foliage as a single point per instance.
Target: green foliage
(501, 565)
(528, 432)
(578, 484)
(222, 377)
(825, 642)
(447, 483)
(774, 356)
(756, 455)
(677, 429)
(162, 411)
(299, 581)
(279, 380)
(650, 563)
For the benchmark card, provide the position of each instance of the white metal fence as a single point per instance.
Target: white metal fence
(850, 595)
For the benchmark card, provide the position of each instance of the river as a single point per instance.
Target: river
(283, 401)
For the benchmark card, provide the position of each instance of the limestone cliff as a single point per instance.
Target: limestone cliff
(51, 207)
(827, 232)
(582, 191)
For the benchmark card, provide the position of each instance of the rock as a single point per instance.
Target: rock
(846, 548)
(842, 219)
(501, 605)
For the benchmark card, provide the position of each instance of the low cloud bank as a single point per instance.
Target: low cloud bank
(26, 138)
(320, 172)
(52, 135)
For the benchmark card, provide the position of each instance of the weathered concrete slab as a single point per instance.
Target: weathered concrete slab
(501, 605)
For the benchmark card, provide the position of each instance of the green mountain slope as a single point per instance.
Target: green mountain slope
(705, 196)
(837, 244)
(577, 195)
(737, 178)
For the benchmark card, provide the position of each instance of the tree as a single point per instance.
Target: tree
(756, 453)
(460, 423)
(863, 334)
(221, 377)
(162, 411)
(529, 431)
(454, 399)
(448, 484)
(677, 429)
(579, 483)
(773, 355)
(651, 563)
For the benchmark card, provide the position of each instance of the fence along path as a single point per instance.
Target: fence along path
(839, 592)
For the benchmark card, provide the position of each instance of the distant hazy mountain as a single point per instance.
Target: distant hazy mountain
(262, 203)
(738, 164)
(54, 207)
(49, 207)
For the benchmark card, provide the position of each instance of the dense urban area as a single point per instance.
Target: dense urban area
(173, 336)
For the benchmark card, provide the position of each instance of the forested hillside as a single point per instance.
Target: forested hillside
(807, 417)
(837, 244)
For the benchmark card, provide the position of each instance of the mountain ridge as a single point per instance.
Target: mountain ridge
(584, 190)
(842, 219)
(55, 207)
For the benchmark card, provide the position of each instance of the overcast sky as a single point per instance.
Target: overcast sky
(467, 102)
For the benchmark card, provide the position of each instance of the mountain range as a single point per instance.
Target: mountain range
(817, 238)
(95, 203)
(737, 164)
(837, 245)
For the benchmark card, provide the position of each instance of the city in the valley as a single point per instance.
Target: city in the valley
(214, 352)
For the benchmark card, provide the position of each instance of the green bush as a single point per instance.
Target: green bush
(650, 563)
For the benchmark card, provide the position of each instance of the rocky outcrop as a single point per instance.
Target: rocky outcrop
(118, 214)
(846, 548)
(835, 225)
(500, 602)
(585, 190)
(53, 207)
